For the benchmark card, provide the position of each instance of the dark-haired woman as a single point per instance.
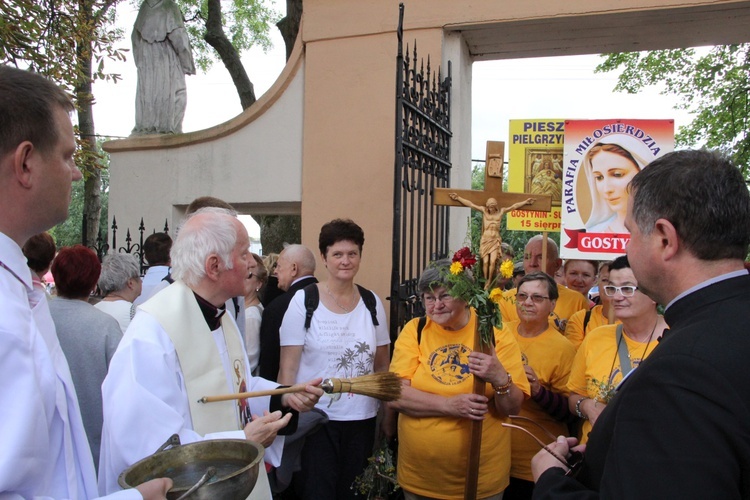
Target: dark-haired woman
(611, 352)
(344, 339)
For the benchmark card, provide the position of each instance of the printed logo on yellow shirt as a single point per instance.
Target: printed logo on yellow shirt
(449, 364)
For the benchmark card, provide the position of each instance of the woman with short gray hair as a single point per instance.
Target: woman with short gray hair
(120, 283)
(436, 360)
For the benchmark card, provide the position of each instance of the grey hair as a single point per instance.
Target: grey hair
(435, 275)
(117, 269)
(205, 232)
(302, 256)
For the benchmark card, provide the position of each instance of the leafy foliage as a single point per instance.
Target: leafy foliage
(45, 35)
(463, 285)
(713, 85)
(68, 232)
(378, 479)
(247, 23)
(69, 42)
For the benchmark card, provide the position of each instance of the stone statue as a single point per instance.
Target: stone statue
(490, 245)
(163, 57)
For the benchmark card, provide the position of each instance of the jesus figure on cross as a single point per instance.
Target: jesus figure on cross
(490, 243)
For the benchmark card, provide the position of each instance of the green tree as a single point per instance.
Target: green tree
(247, 24)
(713, 85)
(68, 41)
(69, 232)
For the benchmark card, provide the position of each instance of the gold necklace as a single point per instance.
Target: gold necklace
(346, 310)
(643, 355)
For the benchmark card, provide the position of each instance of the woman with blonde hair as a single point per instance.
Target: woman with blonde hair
(254, 287)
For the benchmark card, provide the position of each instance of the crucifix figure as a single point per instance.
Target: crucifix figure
(488, 202)
(490, 245)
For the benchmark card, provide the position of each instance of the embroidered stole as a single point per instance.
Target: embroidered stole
(177, 311)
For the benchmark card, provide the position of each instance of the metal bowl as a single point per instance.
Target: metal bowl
(235, 462)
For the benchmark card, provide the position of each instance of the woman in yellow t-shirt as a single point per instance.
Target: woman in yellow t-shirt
(605, 356)
(435, 357)
(577, 327)
(547, 358)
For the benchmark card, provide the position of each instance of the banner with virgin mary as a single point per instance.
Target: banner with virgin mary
(600, 159)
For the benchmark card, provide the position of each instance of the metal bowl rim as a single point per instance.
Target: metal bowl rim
(258, 460)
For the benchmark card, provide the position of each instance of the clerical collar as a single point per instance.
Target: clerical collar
(211, 313)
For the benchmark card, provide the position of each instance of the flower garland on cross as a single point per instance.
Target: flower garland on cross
(463, 286)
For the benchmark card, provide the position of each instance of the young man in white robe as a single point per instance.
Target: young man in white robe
(181, 347)
(45, 452)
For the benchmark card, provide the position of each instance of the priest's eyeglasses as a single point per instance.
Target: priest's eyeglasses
(575, 459)
(626, 291)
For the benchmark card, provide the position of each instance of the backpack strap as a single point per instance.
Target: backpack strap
(312, 298)
(369, 299)
(420, 326)
(586, 320)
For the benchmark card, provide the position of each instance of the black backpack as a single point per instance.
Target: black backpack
(312, 299)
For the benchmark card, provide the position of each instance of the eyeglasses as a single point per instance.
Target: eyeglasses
(431, 299)
(626, 291)
(537, 299)
(574, 461)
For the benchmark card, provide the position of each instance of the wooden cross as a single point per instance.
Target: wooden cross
(493, 186)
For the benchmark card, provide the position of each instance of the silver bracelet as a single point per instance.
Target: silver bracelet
(578, 409)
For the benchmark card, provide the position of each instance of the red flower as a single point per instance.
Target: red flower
(465, 257)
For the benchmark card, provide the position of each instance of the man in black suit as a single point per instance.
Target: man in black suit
(679, 426)
(294, 270)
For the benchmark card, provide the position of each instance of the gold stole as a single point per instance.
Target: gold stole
(177, 311)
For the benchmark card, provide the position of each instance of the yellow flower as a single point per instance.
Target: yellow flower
(506, 268)
(456, 268)
(495, 294)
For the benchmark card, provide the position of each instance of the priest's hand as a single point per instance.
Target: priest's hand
(545, 460)
(156, 489)
(305, 400)
(263, 429)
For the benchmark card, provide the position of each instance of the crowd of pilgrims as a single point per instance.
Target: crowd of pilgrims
(75, 385)
(571, 332)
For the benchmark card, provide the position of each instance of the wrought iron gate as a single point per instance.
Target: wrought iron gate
(423, 136)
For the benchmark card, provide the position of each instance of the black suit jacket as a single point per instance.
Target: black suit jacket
(679, 427)
(273, 315)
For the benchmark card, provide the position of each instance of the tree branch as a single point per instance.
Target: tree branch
(216, 38)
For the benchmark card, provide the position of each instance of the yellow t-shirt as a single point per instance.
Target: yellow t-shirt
(433, 451)
(574, 329)
(596, 368)
(568, 302)
(551, 356)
